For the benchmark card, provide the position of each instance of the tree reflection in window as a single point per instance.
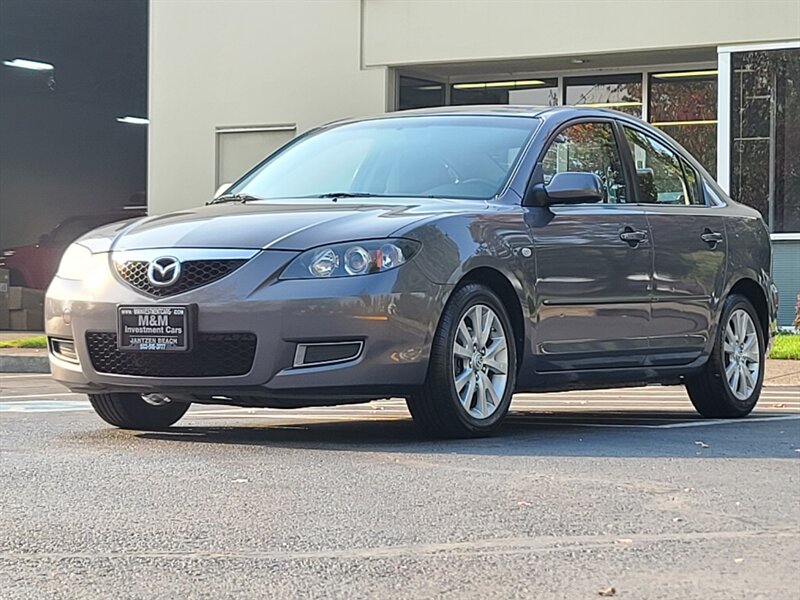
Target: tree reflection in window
(684, 106)
(588, 148)
(765, 135)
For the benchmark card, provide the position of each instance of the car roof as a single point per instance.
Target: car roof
(487, 110)
(477, 110)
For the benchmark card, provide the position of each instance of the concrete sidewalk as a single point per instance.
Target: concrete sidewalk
(6, 335)
(782, 372)
(23, 360)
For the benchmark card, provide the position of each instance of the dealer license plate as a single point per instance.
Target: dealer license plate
(153, 328)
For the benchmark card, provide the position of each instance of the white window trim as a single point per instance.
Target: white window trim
(786, 45)
(724, 121)
(256, 128)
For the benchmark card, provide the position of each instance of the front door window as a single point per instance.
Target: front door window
(588, 148)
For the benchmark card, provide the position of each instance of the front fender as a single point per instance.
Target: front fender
(466, 246)
(457, 244)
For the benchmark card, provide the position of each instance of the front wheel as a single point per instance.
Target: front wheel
(472, 369)
(130, 411)
(730, 382)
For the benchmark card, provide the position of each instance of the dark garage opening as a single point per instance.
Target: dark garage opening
(65, 159)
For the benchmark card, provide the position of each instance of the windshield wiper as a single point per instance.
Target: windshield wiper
(240, 198)
(348, 195)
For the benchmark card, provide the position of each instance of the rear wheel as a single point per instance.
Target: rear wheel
(472, 369)
(730, 383)
(131, 411)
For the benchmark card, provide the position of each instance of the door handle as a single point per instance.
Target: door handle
(712, 238)
(632, 236)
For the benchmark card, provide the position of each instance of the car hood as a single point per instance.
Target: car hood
(280, 225)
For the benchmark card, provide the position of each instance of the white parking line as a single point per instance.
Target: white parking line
(622, 409)
(639, 406)
(648, 408)
(60, 395)
(708, 423)
(564, 397)
(45, 406)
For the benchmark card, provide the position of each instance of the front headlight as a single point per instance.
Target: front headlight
(76, 263)
(351, 258)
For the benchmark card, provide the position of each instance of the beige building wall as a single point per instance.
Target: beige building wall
(399, 32)
(243, 63)
(248, 64)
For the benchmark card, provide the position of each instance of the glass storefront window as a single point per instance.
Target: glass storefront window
(684, 105)
(765, 135)
(536, 92)
(419, 93)
(621, 92)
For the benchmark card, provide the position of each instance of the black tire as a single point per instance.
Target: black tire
(130, 411)
(709, 389)
(436, 407)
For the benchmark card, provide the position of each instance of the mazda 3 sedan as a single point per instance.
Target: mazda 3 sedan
(448, 256)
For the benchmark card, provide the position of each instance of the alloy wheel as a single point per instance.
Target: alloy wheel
(742, 357)
(480, 361)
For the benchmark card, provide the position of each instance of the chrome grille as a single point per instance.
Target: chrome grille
(194, 274)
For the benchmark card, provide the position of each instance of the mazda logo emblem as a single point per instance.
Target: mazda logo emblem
(164, 271)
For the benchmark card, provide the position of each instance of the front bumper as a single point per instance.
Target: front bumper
(394, 313)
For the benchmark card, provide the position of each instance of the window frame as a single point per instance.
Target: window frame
(698, 189)
(683, 160)
(537, 173)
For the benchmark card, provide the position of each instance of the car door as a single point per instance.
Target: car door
(689, 248)
(593, 261)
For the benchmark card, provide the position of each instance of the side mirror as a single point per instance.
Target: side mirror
(574, 188)
(221, 190)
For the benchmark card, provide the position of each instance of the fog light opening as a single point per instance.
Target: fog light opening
(64, 349)
(326, 353)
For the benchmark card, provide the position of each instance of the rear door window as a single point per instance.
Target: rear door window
(663, 177)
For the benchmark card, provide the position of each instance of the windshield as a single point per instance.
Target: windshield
(428, 156)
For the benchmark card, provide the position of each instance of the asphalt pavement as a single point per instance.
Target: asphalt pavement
(580, 493)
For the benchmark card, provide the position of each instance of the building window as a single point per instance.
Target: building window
(765, 135)
(620, 92)
(684, 105)
(536, 92)
(419, 93)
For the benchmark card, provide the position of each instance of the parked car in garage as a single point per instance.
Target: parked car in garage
(33, 265)
(449, 256)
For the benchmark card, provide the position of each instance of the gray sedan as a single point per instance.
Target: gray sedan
(450, 256)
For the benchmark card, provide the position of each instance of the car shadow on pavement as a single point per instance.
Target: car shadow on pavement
(523, 434)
